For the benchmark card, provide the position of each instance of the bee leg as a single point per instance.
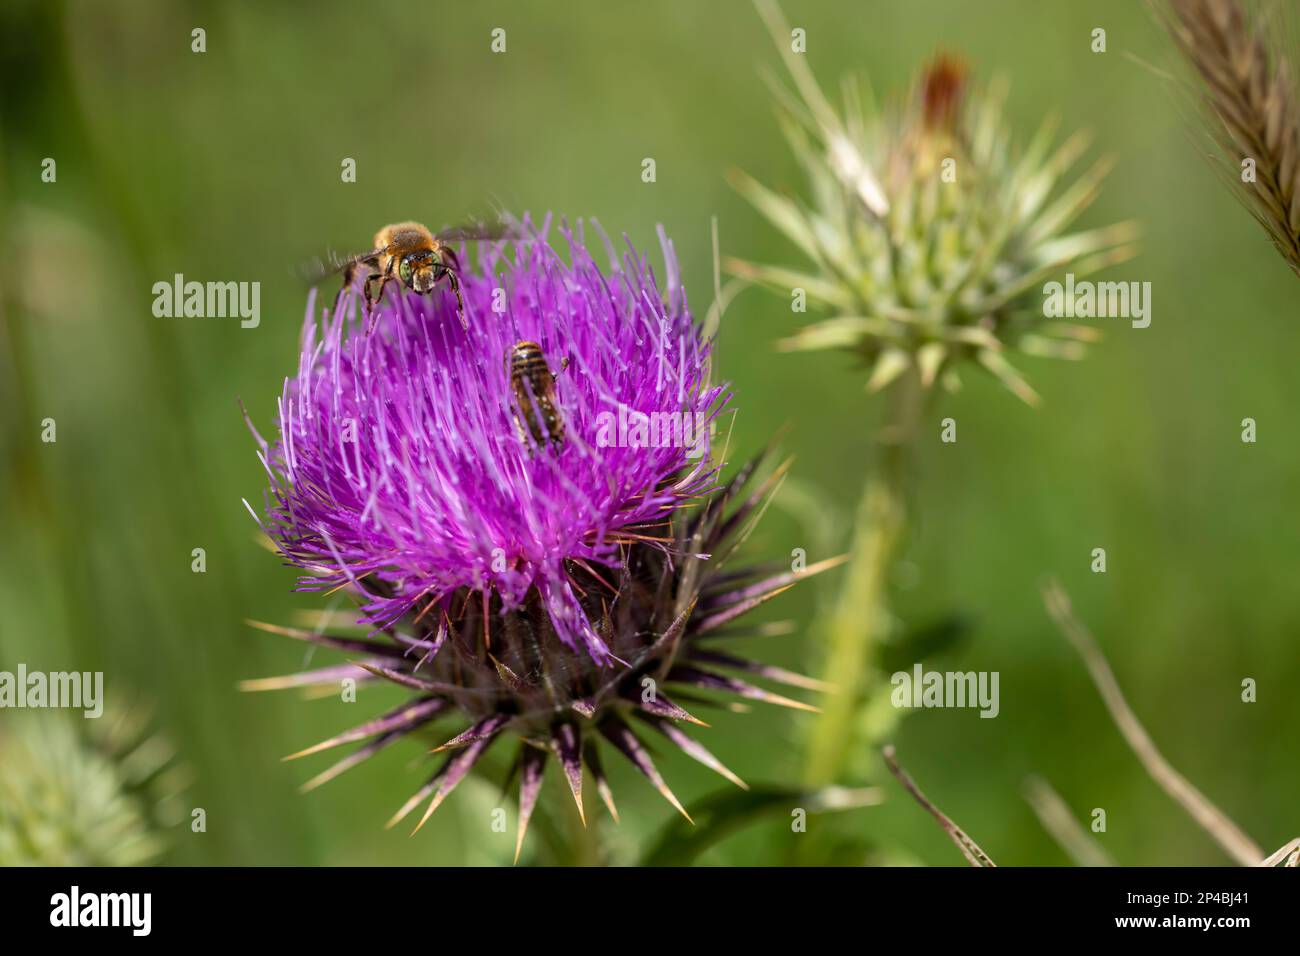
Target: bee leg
(460, 301)
(350, 269)
(373, 300)
(349, 277)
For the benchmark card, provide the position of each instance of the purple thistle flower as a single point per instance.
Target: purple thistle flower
(524, 562)
(401, 455)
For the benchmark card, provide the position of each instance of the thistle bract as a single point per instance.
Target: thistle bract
(554, 592)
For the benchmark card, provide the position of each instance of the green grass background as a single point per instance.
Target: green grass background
(225, 165)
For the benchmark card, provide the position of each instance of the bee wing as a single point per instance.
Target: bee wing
(318, 270)
(478, 232)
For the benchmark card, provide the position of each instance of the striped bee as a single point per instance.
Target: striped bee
(533, 383)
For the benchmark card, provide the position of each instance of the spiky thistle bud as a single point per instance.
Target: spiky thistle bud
(929, 232)
(78, 792)
(528, 564)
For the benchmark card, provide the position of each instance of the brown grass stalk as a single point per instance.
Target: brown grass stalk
(1212, 820)
(969, 848)
(1059, 821)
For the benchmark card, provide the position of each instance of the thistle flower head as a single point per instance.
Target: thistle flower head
(613, 577)
(929, 232)
(414, 458)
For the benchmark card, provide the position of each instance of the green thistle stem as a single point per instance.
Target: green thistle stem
(860, 618)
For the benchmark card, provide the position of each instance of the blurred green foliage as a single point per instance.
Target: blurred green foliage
(226, 165)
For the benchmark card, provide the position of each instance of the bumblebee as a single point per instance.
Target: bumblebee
(409, 253)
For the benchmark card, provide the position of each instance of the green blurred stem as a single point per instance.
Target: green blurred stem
(584, 846)
(860, 618)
